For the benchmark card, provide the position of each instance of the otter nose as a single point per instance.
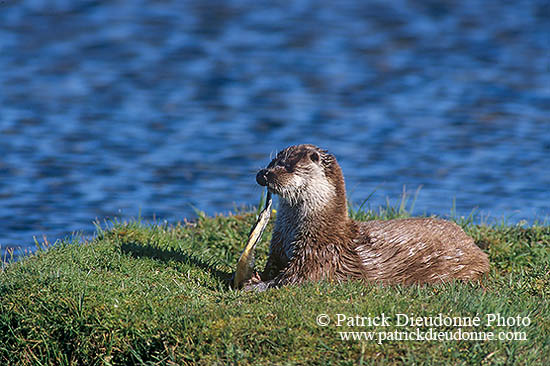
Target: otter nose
(261, 177)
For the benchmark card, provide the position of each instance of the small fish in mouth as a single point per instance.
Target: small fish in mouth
(245, 265)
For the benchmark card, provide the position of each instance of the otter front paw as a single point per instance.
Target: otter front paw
(255, 279)
(257, 287)
(255, 283)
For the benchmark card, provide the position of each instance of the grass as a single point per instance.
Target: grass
(157, 294)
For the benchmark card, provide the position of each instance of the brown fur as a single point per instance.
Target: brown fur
(314, 239)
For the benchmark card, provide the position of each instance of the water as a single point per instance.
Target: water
(155, 108)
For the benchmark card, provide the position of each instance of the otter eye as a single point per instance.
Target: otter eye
(314, 157)
(280, 163)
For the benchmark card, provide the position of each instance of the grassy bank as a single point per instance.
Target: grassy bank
(157, 294)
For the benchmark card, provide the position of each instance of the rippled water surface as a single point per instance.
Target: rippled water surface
(154, 108)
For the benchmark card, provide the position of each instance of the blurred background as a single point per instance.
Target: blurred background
(157, 108)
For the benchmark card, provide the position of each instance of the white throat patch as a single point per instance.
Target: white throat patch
(310, 189)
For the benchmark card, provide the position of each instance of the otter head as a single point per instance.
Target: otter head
(305, 175)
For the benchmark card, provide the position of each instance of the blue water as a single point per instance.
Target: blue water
(155, 108)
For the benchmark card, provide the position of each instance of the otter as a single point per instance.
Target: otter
(314, 238)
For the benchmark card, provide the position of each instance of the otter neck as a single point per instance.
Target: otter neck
(315, 217)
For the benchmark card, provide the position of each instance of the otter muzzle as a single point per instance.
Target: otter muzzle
(261, 177)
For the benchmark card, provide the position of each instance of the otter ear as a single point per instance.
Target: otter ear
(314, 157)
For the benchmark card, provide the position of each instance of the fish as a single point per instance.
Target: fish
(245, 265)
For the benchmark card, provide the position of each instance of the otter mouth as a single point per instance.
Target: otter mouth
(264, 178)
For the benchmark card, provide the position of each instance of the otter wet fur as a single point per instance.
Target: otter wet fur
(314, 238)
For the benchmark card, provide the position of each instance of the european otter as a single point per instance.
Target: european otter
(314, 239)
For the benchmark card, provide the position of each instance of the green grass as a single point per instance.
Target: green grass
(157, 294)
